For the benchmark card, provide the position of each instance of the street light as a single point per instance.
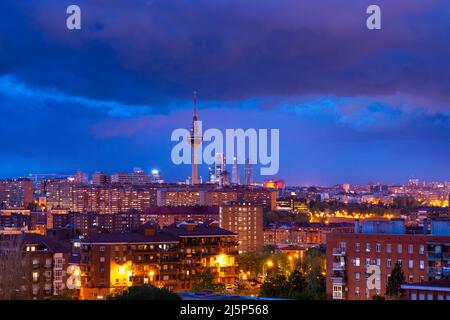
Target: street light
(269, 264)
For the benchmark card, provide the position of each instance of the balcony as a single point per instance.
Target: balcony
(434, 271)
(338, 280)
(338, 251)
(433, 256)
(338, 266)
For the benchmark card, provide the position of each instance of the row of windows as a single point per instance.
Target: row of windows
(357, 263)
(410, 278)
(430, 296)
(389, 247)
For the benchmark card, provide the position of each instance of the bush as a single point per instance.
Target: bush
(145, 293)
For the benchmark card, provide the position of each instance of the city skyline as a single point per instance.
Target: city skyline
(351, 105)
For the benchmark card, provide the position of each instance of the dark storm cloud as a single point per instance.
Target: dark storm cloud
(151, 51)
(351, 104)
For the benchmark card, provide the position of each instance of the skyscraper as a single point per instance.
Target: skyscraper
(220, 169)
(235, 177)
(195, 140)
(211, 175)
(248, 172)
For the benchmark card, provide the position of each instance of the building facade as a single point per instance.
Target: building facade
(245, 219)
(360, 264)
(171, 257)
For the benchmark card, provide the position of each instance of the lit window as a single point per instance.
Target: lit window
(367, 247)
(422, 265)
(389, 263)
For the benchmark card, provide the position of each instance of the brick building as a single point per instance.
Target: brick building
(359, 264)
(41, 272)
(16, 193)
(245, 219)
(171, 257)
(430, 290)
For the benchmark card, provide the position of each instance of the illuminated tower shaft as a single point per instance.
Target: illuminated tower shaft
(195, 140)
(235, 177)
(248, 172)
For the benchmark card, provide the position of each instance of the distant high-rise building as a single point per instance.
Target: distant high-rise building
(156, 176)
(212, 175)
(100, 179)
(346, 187)
(137, 170)
(235, 177)
(248, 172)
(81, 177)
(220, 168)
(137, 177)
(16, 193)
(39, 179)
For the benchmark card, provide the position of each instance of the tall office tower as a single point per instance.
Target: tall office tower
(248, 172)
(220, 168)
(195, 139)
(211, 175)
(226, 178)
(235, 177)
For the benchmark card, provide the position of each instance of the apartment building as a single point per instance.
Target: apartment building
(245, 219)
(40, 271)
(360, 264)
(171, 257)
(16, 193)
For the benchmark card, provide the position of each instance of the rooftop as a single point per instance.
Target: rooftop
(132, 237)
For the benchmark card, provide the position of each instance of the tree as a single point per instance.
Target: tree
(275, 286)
(397, 278)
(14, 269)
(66, 294)
(147, 292)
(250, 262)
(297, 284)
(205, 281)
(313, 265)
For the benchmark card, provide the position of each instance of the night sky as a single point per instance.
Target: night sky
(352, 105)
